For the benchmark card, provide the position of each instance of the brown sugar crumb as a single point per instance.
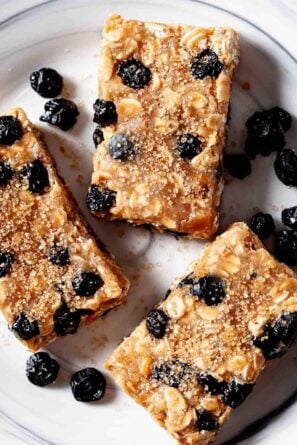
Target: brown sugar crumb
(164, 138)
(246, 86)
(198, 354)
(53, 275)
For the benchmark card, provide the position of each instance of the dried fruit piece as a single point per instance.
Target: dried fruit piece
(6, 173)
(88, 385)
(100, 199)
(210, 289)
(105, 112)
(37, 176)
(60, 112)
(47, 82)
(262, 224)
(25, 328)
(206, 64)
(286, 246)
(58, 255)
(238, 165)
(188, 146)
(86, 284)
(134, 73)
(285, 166)
(289, 217)
(121, 147)
(206, 421)
(156, 323)
(10, 130)
(98, 136)
(42, 369)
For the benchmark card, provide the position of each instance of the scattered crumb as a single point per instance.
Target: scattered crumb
(80, 180)
(246, 86)
(65, 152)
(99, 341)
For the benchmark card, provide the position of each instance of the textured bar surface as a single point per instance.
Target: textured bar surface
(168, 174)
(54, 275)
(197, 356)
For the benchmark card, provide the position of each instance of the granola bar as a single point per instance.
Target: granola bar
(198, 354)
(54, 276)
(164, 93)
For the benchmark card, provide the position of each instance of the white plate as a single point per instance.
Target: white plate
(64, 34)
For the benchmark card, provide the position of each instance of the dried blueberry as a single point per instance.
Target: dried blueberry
(134, 73)
(58, 255)
(284, 118)
(42, 369)
(170, 373)
(276, 339)
(187, 281)
(60, 112)
(286, 247)
(105, 112)
(86, 284)
(188, 146)
(238, 165)
(265, 133)
(88, 385)
(206, 421)
(210, 384)
(206, 64)
(285, 166)
(47, 82)
(98, 136)
(37, 176)
(6, 173)
(210, 289)
(66, 321)
(269, 343)
(289, 217)
(235, 393)
(100, 199)
(6, 260)
(156, 323)
(262, 224)
(121, 147)
(25, 328)
(10, 130)
(285, 328)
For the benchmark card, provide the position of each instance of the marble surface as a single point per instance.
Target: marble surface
(64, 34)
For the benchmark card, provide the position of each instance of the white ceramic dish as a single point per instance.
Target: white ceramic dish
(64, 34)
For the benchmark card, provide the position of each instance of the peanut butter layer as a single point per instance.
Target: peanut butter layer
(198, 354)
(55, 277)
(160, 160)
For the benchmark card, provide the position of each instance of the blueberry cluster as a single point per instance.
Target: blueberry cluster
(87, 385)
(66, 320)
(48, 83)
(173, 372)
(285, 240)
(233, 393)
